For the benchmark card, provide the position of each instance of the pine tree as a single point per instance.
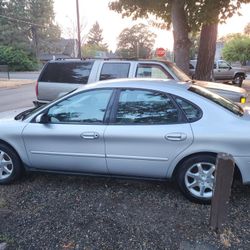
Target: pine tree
(95, 36)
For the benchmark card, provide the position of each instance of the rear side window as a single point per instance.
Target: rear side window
(191, 111)
(114, 70)
(152, 71)
(145, 107)
(69, 72)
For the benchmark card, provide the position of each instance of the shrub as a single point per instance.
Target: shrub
(17, 59)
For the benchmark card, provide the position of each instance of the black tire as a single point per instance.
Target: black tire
(183, 179)
(238, 80)
(15, 167)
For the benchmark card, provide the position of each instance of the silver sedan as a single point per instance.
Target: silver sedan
(133, 128)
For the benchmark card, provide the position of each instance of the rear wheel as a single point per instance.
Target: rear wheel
(10, 165)
(238, 80)
(195, 178)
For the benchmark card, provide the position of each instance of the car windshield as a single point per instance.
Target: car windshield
(225, 103)
(177, 72)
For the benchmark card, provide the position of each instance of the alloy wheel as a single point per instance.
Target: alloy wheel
(6, 165)
(199, 179)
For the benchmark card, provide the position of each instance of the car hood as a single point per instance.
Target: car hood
(246, 115)
(221, 88)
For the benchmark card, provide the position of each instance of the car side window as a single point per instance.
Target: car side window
(191, 111)
(114, 70)
(145, 107)
(223, 65)
(152, 71)
(65, 72)
(86, 107)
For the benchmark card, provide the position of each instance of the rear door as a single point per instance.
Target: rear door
(146, 133)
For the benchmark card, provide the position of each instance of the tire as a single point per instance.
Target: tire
(195, 177)
(238, 80)
(10, 165)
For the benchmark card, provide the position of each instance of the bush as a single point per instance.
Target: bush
(237, 49)
(17, 59)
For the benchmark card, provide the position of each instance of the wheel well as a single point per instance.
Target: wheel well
(237, 173)
(239, 74)
(7, 144)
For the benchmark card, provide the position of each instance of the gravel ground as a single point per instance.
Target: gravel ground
(65, 212)
(75, 212)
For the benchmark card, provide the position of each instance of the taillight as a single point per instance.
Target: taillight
(36, 88)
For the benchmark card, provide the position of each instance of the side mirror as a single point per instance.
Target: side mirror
(43, 118)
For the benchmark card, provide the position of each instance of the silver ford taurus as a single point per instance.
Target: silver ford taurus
(134, 128)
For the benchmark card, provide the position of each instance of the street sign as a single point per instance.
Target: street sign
(160, 52)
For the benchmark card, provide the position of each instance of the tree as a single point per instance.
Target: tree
(95, 36)
(237, 49)
(185, 16)
(247, 29)
(28, 24)
(136, 41)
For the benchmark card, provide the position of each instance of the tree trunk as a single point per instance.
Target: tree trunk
(182, 43)
(205, 61)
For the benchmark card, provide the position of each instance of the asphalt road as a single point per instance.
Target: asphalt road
(17, 98)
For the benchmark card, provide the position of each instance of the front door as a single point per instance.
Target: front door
(147, 133)
(73, 139)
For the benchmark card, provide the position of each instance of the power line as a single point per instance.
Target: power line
(22, 21)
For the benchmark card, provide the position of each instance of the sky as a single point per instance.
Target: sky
(112, 23)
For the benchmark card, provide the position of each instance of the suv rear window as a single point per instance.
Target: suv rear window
(68, 72)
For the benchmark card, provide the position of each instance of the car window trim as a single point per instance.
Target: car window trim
(181, 117)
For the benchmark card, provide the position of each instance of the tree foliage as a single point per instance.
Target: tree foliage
(136, 41)
(16, 59)
(95, 37)
(185, 15)
(28, 24)
(237, 49)
(247, 29)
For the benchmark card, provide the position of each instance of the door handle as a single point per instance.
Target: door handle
(90, 135)
(176, 137)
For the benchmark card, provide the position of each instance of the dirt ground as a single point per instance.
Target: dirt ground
(13, 83)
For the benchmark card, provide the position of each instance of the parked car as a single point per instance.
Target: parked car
(223, 71)
(139, 128)
(61, 76)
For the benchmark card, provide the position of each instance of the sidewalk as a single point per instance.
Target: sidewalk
(14, 83)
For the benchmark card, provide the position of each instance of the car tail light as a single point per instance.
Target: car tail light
(36, 88)
(243, 100)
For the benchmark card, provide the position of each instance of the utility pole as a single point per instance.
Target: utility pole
(78, 30)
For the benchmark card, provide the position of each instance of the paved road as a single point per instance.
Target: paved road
(20, 75)
(17, 98)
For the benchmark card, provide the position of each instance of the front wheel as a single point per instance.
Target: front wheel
(10, 165)
(238, 80)
(195, 178)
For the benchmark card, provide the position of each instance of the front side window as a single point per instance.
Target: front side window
(67, 72)
(223, 65)
(114, 70)
(86, 107)
(145, 107)
(152, 71)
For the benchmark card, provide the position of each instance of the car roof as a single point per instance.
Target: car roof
(140, 83)
(78, 60)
